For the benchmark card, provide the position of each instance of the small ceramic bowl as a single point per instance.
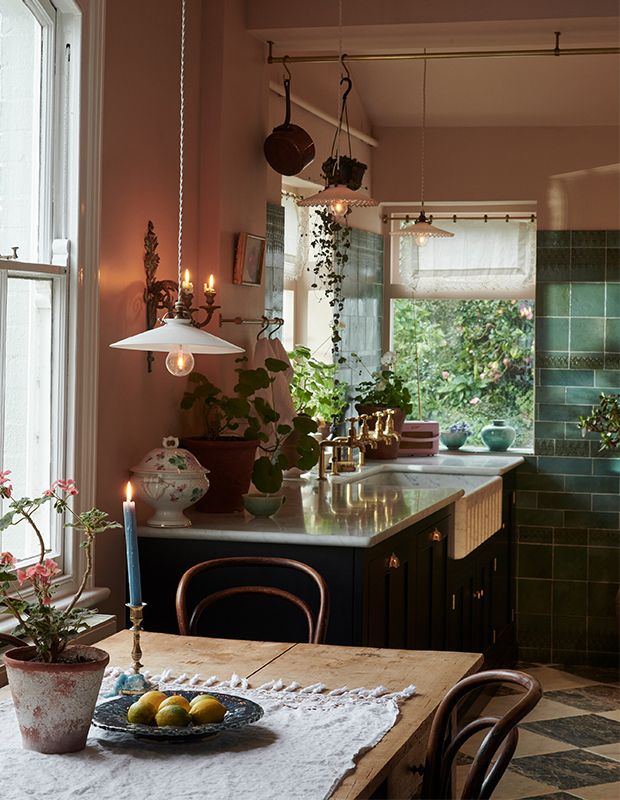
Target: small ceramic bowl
(263, 505)
(453, 439)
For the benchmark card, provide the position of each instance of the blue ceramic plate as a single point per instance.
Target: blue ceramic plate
(112, 716)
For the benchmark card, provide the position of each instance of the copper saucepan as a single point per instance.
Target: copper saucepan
(288, 148)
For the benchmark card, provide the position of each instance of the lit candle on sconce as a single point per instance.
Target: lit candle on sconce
(209, 288)
(186, 284)
(131, 543)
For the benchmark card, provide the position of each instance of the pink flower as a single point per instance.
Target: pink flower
(526, 312)
(3, 476)
(68, 486)
(21, 576)
(505, 361)
(5, 486)
(474, 401)
(7, 559)
(445, 374)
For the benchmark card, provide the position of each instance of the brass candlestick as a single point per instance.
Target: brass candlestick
(135, 683)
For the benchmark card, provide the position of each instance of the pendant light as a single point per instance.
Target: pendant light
(177, 335)
(422, 230)
(343, 173)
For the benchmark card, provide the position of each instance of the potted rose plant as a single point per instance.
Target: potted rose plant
(54, 684)
(234, 427)
(384, 389)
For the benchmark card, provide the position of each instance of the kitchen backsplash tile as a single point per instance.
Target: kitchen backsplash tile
(568, 520)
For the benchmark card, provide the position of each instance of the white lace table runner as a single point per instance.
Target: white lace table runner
(301, 749)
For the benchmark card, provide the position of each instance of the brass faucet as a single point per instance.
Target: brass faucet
(389, 434)
(341, 446)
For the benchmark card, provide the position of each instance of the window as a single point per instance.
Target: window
(462, 322)
(40, 119)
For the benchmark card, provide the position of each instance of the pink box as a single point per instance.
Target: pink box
(419, 438)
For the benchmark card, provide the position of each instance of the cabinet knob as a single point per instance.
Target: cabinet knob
(436, 536)
(479, 594)
(393, 561)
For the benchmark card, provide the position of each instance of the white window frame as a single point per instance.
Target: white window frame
(69, 238)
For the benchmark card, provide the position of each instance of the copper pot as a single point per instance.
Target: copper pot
(288, 148)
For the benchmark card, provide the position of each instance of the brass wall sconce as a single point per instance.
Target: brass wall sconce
(161, 295)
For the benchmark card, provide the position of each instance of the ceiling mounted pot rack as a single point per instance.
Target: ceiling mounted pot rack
(552, 51)
(455, 217)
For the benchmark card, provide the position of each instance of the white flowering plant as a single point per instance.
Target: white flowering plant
(383, 387)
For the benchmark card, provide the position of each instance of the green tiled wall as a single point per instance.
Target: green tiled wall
(273, 279)
(568, 510)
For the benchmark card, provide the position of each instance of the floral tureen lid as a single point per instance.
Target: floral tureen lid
(170, 458)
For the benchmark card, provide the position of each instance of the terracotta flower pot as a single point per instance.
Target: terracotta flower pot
(230, 462)
(54, 703)
(383, 451)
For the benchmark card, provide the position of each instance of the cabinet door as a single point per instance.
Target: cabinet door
(388, 599)
(429, 588)
(461, 587)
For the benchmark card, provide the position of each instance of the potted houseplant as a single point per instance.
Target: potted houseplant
(315, 390)
(383, 389)
(54, 684)
(234, 427)
(604, 420)
(455, 436)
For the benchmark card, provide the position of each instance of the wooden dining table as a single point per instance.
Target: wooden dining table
(395, 761)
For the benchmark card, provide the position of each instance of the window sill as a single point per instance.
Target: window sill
(482, 451)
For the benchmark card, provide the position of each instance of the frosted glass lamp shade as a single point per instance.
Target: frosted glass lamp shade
(178, 334)
(422, 231)
(337, 198)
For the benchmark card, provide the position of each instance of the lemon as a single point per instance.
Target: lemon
(140, 713)
(206, 711)
(171, 715)
(175, 700)
(199, 698)
(153, 698)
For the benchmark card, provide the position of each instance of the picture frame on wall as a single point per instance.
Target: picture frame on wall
(249, 259)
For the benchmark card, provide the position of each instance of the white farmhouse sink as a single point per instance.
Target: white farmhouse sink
(477, 514)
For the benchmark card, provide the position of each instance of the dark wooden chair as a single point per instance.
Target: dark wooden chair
(13, 641)
(497, 747)
(316, 625)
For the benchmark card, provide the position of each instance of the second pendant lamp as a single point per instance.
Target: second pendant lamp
(422, 230)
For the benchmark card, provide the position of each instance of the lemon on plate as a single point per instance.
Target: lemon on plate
(199, 698)
(153, 698)
(141, 713)
(175, 700)
(206, 711)
(172, 716)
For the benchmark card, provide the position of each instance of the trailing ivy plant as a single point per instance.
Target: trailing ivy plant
(604, 420)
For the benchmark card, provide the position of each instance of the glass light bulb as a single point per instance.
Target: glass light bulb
(179, 362)
(339, 207)
(420, 239)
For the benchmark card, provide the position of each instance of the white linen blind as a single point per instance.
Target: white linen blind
(492, 259)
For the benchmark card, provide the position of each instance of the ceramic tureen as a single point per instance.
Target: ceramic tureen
(170, 479)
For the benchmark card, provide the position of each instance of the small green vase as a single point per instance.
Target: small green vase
(498, 436)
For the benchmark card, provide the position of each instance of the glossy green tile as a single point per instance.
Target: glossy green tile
(526, 499)
(534, 561)
(536, 655)
(560, 413)
(570, 633)
(544, 483)
(599, 537)
(607, 379)
(588, 239)
(552, 299)
(552, 333)
(605, 466)
(587, 264)
(569, 598)
(583, 396)
(544, 429)
(602, 599)
(587, 360)
(555, 238)
(587, 334)
(613, 238)
(612, 361)
(564, 500)
(603, 564)
(534, 534)
(612, 336)
(533, 596)
(534, 630)
(573, 447)
(552, 360)
(570, 657)
(567, 377)
(552, 257)
(536, 516)
(605, 502)
(570, 563)
(587, 300)
(581, 483)
(594, 519)
(612, 309)
(550, 394)
(544, 447)
(565, 466)
(570, 536)
(603, 634)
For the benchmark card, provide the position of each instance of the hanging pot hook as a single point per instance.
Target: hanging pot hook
(345, 79)
(266, 324)
(284, 64)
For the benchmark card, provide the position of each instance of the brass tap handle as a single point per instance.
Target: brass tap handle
(378, 432)
(393, 561)
(389, 422)
(352, 429)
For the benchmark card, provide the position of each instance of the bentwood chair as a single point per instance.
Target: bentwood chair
(317, 625)
(497, 747)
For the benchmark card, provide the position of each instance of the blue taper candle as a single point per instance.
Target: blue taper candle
(131, 542)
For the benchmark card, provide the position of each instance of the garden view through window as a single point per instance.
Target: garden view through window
(475, 360)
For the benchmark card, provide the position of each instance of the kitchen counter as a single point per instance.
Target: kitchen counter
(344, 511)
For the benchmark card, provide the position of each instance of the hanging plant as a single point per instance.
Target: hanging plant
(604, 420)
(331, 242)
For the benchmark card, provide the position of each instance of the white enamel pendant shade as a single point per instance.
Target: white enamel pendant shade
(176, 333)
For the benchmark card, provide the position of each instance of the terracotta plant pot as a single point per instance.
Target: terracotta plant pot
(383, 451)
(54, 703)
(230, 462)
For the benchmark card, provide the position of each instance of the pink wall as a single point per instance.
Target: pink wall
(572, 173)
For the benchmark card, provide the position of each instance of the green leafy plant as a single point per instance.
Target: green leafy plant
(247, 415)
(604, 420)
(48, 627)
(315, 389)
(384, 387)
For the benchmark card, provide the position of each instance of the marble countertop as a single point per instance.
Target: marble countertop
(344, 511)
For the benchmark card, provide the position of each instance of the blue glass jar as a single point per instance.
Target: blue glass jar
(498, 436)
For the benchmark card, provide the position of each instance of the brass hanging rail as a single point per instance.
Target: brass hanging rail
(553, 51)
(260, 321)
(455, 217)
